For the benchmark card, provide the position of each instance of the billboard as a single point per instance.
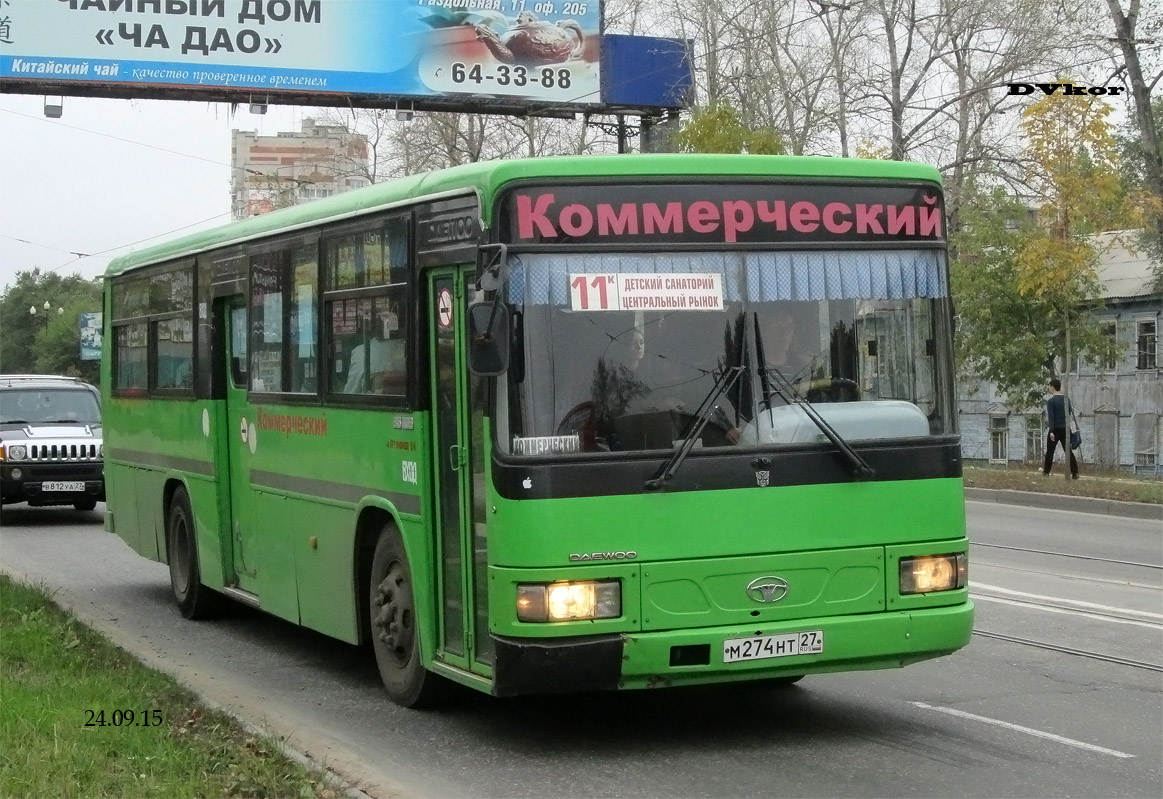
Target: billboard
(90, 328)
(435, 53)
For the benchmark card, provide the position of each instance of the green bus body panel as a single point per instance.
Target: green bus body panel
(884, 640)
(701, 593)
(308, 490)
(487, 178)
(705, 524)
(696, 552)
(157, 442)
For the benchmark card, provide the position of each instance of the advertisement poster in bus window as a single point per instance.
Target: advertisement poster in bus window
(544, 51)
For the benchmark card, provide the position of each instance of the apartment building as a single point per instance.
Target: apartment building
(270, 172)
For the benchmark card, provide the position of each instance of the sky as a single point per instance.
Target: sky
(112, 176)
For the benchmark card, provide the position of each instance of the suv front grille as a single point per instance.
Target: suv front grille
(55, 453)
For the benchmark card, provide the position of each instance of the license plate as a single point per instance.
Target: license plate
(66, 485)
(762, 647)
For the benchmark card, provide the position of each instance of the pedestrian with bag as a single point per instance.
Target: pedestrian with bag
(1057, 431)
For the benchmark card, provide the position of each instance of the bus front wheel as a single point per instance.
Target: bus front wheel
(195, 601)
(394, 633)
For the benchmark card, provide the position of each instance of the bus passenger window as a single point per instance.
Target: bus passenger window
(369, 347)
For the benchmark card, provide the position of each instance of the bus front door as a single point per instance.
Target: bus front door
(458, 406)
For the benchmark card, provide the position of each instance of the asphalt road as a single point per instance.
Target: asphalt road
(1060, 693)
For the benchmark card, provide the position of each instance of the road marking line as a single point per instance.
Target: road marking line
(1028, 730)
(1075, 602)
(1068, 611)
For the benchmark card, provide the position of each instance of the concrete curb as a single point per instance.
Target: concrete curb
(1034, 499)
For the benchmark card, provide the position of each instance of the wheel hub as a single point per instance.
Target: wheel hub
(392, 620)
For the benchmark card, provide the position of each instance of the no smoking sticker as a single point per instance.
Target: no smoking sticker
(444, 308)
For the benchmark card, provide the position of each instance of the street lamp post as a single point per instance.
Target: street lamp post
(47, 314)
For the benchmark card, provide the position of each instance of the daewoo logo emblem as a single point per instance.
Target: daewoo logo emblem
(767, 589)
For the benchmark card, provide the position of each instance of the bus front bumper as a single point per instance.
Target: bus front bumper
(694, 657)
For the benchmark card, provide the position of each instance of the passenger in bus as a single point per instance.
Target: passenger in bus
(373, 364)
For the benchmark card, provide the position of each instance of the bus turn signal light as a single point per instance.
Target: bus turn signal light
(929, 573)
(579, 600)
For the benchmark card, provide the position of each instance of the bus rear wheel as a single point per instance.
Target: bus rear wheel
(195, 601)
(394, 633)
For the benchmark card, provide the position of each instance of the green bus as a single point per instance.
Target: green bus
(558, 424)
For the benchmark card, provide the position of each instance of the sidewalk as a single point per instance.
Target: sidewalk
(1034, 499)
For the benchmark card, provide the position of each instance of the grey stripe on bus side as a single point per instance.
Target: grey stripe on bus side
(135, 458)
(405, 503)
(342, 492)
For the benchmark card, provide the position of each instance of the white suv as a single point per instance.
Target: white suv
(50, 441)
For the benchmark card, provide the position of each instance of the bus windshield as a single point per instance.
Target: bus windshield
(617, 351)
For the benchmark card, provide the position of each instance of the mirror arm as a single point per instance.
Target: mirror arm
(495, 267)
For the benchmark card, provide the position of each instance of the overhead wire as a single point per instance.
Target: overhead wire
(561, 106)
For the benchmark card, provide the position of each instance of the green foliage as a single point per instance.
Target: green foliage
(40, 344)
(1133, 168)
(719, 129)
(56, 675)
(1006, 333)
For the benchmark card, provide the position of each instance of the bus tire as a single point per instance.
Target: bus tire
(394, 634)
(195, 601)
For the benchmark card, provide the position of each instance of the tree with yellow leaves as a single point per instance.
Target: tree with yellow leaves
(1073, 164)
(1024, 289)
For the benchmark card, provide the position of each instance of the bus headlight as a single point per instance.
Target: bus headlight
(928, 573)
(578, 600)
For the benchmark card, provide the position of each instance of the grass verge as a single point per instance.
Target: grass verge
(59, 680)
(1093, 483)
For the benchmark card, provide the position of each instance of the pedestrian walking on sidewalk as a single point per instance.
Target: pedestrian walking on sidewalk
(1057, 429)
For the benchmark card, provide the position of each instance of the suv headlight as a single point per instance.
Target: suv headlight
(13, 452)
(926, 574)
(577, 600)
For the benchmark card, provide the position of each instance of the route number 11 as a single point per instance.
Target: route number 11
(580, 286)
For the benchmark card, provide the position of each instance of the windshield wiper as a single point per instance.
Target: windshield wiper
(727, 378)
(61, 421)
(861, 469)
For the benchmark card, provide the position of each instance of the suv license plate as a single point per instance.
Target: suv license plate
(68, 485)
(761, 647)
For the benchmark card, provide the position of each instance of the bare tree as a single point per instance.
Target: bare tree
(1126, 24)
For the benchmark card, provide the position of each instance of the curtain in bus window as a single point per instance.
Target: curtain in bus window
(876, 275)
(543, 279)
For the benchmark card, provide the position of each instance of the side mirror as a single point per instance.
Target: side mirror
(488, 338)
